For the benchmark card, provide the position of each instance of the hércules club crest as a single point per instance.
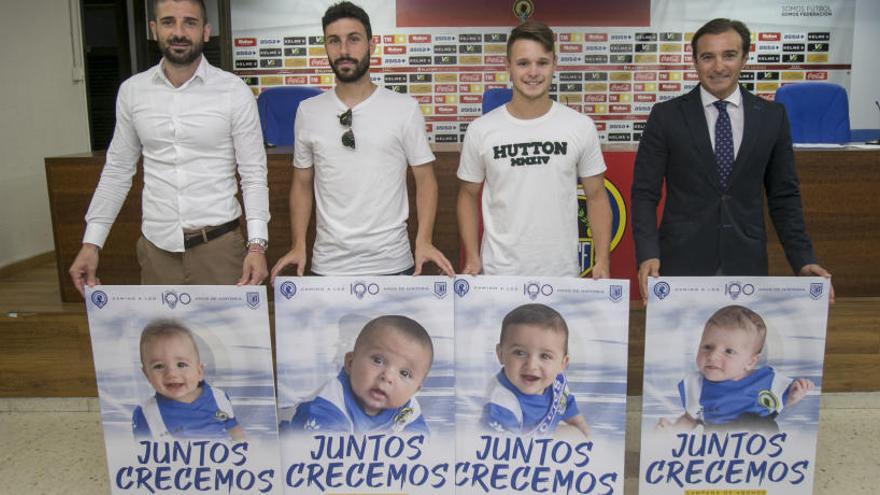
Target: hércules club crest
(586, 250)
(523, 9)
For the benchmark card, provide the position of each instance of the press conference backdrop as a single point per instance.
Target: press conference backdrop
(615, 60)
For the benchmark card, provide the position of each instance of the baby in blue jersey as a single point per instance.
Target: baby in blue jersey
(374, 392)
(728, 391)
(530, 395)
(184, 406)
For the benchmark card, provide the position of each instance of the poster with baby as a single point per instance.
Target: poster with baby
(186, 388)
(733, 373)
(540, 368)
(365, 384)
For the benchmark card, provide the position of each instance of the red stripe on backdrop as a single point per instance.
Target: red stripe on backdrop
(467, 13)
(623, 257)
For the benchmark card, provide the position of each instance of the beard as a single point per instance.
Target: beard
(361, 68)
(185, 58)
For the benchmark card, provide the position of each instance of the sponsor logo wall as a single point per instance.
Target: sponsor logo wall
(613, 74)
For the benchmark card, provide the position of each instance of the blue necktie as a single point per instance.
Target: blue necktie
(723, 143)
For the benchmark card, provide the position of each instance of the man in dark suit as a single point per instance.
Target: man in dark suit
(719, 148)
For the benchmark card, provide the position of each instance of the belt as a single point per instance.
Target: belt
(205, 234)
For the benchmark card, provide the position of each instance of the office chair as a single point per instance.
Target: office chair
(277, 107)
(818, 112)
(495, 97)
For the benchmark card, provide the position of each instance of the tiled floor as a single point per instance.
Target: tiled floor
(54, 446)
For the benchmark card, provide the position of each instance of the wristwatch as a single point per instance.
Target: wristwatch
(262, 244)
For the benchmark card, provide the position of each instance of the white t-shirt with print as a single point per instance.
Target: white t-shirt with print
(530, 169)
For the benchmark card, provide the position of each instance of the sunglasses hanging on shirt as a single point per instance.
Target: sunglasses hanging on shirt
(348, 136)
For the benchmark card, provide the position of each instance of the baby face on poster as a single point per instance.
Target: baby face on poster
(389, 362)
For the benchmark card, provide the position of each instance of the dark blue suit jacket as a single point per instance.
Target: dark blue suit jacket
(703, 227)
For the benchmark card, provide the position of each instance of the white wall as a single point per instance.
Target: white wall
(43, 114)
(865, 78)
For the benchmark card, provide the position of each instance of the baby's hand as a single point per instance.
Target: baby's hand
(580, 423)
(585, 429)
(683, 423)
(798, 390)
(664, 423)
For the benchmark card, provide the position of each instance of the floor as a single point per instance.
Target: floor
(55, 446)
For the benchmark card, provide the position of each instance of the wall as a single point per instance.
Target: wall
(865, 82)
(44, 114)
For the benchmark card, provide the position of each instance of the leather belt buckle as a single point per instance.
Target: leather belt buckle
(207, 234)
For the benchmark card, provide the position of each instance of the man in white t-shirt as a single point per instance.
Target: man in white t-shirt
(353, 146)
(527, 156)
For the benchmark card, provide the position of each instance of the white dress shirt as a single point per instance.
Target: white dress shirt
(734, 110)
(191, 138)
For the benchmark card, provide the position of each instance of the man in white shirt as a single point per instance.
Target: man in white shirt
(353, 147)
(720, 151)
(195, 126)
(526, 158)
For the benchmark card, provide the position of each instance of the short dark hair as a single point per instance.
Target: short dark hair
(405, 325)
(538, 315)
(164, 328)
(723, 25)
(346, 10)
(740, 318)
(535, 31)
(201, 3)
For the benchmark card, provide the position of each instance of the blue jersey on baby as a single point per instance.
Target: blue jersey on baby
(511, 411)
(209, 416)
(760, 394)
(334, 408)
